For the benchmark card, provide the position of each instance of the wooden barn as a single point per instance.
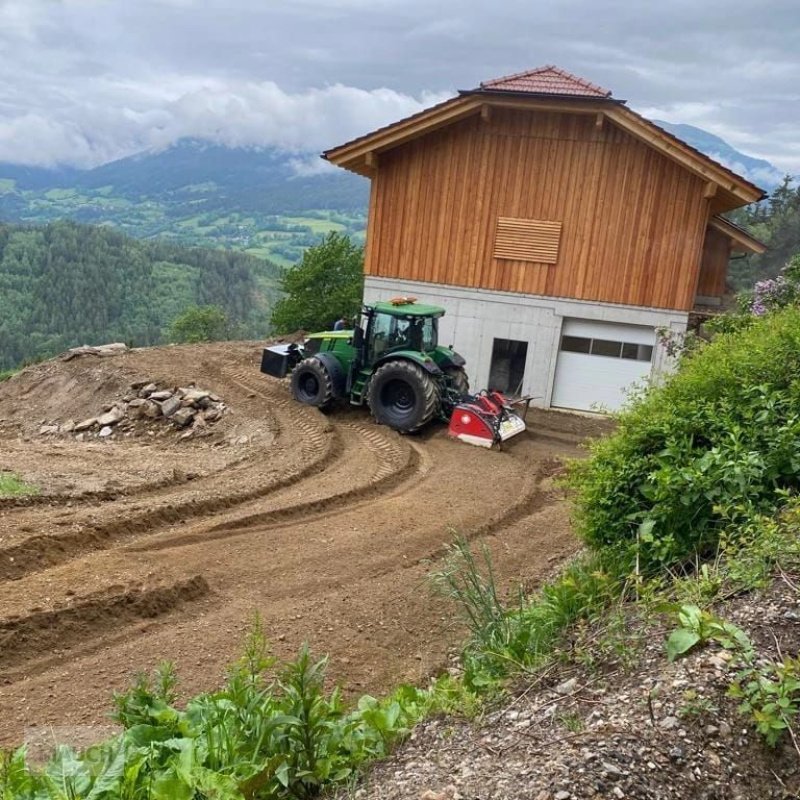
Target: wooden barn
(559, 228)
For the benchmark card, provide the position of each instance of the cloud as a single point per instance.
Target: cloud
(237, 114)
(85, 81)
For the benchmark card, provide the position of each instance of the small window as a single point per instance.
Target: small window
(606, 347)
(576, 344)
(637, 352)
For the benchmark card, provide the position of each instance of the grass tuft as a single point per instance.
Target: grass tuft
(11, 485)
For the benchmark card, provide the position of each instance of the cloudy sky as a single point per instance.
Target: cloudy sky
(87, 81)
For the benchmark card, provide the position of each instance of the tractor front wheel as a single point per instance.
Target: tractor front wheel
(403, 396)
(312, 384)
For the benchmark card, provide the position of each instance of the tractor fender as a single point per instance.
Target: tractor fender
(428, 364)
(449, 358)
(336, 371)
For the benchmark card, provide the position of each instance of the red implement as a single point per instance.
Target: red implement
(486, 419)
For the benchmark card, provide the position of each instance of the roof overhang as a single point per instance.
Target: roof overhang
(741, 240)
(725, 189)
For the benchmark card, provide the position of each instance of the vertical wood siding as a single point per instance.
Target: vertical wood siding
(714, 265)
(633, 221)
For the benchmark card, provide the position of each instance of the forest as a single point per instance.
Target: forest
(66, 284)
(776, 222)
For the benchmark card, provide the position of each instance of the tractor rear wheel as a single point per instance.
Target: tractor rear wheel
(312, 384)
(403, 396)
(458, 379)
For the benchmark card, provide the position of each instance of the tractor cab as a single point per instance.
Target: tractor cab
(399, 325)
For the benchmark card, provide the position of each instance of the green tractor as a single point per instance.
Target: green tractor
(390, 361)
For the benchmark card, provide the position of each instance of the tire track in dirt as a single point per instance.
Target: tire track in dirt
(399, 468)
(43, 551)
(24, 639)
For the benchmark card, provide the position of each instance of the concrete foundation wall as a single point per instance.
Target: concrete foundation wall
(476, 317)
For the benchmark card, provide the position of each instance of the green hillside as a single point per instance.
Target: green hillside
(197, 193)
(65, 284)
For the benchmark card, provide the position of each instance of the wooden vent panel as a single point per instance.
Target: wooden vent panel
(527, 240)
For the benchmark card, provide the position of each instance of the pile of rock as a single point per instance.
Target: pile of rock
(190, 408)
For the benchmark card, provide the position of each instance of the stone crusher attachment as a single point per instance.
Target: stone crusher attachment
(488, 418)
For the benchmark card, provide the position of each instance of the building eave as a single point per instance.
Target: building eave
(741, 240)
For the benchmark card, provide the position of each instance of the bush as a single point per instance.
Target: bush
(719, 442)
(199, 324)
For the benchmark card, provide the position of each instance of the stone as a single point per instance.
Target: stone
(562, 795)
(161, 395)
(86, 424)
(68, 426)
(46, 430)
(668, 723)
(612, 769)
(137, 402)
(567, 687)
(192, 396)
(146, 391)
(211, 414)
(136, 385)
(183, 416)
(170, 406)
(105, 432)
(151, 409)
(111, 417)
(724, 730)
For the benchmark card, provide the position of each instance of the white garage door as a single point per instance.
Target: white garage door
(598, 361)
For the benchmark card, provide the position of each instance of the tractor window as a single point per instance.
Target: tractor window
(402, 333)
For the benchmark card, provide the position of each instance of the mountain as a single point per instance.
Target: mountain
(264, 201)
(757, 170)
(261, 200)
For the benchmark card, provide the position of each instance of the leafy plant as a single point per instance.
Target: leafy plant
(258, 737)
(770, 694)
(696, 626)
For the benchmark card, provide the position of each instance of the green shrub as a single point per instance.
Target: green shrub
(283, 737)
(718, 443)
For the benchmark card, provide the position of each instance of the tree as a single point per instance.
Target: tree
(326, 285)
(199, 324)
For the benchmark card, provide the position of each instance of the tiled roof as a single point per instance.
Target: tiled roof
(546, 80)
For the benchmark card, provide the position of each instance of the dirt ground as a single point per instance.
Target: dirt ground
(155, 547)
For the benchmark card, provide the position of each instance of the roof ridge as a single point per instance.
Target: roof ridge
(521, 74)
(553, 70)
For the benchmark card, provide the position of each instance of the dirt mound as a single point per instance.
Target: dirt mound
(324, 524)
(25, 638)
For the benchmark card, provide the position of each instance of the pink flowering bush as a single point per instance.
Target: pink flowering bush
(779, 292)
